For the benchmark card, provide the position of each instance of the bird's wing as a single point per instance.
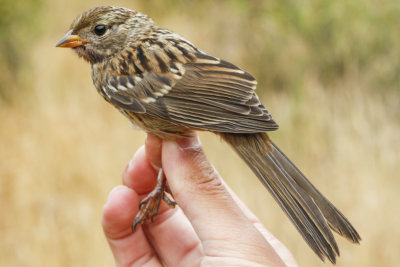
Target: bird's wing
(205, 93)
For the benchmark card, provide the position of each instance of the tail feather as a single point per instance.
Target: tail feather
(337, 221)
(311, 213)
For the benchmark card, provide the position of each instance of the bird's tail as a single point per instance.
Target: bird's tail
(312, 214)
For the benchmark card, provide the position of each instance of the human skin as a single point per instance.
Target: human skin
(210, 226)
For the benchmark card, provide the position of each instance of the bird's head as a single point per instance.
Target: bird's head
(101, 32)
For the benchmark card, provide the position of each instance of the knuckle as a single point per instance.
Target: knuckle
(204, 176)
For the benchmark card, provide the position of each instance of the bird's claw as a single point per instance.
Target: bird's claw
(149, 206)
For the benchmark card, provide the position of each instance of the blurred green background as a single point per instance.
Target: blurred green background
(328, 71)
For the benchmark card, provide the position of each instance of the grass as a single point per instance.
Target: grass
(62, 148)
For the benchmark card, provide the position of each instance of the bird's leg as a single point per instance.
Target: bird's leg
(148, 207)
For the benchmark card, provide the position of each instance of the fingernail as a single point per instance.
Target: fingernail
(192, 141)
(117, 188)
(131, 164)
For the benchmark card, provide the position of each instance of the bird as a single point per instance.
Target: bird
(168, 87)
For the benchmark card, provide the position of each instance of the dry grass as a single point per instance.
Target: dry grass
(62, 149)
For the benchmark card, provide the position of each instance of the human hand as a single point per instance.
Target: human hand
(209, 227)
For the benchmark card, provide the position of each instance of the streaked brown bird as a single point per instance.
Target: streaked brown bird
(165, 85)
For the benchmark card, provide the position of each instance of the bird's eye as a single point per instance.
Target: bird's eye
(100, 29)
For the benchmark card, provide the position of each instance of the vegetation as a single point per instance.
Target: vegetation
(19, 25)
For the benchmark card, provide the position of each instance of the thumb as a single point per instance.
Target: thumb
(190, 175)
(199, 191)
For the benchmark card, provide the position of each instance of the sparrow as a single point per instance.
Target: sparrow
(165, 85)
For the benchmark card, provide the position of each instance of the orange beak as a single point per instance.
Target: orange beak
(70, 40)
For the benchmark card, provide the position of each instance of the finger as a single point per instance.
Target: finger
(170, 234)
(139, 173)
(153, 150)
(216, 218)
(141, 176)
(174, 239)
(129, 248)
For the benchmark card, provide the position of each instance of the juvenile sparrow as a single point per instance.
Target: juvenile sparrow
(165, 85)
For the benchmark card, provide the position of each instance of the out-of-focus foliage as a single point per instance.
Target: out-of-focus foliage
(19, 24)
(337, 39)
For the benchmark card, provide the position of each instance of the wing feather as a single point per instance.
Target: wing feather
(205, 93)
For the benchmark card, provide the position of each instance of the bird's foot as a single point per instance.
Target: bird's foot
(148, 207)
